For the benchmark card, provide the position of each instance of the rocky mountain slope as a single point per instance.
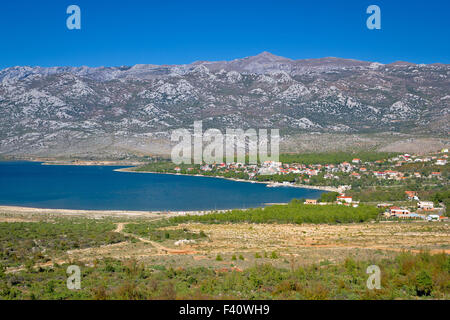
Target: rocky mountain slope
(122, 110)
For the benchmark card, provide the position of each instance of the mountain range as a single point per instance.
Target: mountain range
(128, 110)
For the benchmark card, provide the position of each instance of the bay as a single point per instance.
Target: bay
(31, 184)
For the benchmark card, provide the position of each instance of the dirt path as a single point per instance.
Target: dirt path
(159, 247)
(120, 226)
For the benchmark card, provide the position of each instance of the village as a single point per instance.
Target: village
(395, 172)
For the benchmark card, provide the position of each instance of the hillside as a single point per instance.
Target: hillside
(118, 111)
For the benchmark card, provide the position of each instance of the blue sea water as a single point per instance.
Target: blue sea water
(30, 184)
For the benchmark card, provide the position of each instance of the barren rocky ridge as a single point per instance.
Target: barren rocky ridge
(120, 111)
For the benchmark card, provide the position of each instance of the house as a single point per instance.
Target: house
(425, 205)
(363, 169)
(398, 211)
(206, 167)
(272, 164)
(379, 174)
(433, 217)
(355, 175)
(411, 216)
(441, 162)
(311, 172)
(417, 175)
(391, 174)
(345, 167)
(328, 176)
(411, 195)
(310, 201)
(356, 160)
(267, 171)
(345, 199)
(177, 169)
(435, 174)
(344, 188)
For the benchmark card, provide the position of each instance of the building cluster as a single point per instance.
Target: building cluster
(424, 210)
(355, 169)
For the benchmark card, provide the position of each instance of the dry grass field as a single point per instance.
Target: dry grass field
(243, 245)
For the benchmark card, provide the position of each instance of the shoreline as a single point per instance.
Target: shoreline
(302, 186)
(56, 162)
(99, 214)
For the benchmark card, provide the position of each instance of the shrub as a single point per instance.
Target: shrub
(424, 283)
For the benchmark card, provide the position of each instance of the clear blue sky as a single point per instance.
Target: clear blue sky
(127, 32)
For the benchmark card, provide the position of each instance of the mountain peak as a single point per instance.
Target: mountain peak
(269, 57)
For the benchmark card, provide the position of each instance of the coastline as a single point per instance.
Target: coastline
(302, 186)
(64, 162)
(98, 214)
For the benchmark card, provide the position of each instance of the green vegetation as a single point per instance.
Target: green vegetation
(425, 168)
(366, 187)
(334, 157)
(438, 194)
(294, 212)
(29, 243)
(442, 197)
(300, 158)
(277, 178)
(165, 166)
(329, 197)
(273, 255)
(421, 276)
(379, 194)
(156, 231)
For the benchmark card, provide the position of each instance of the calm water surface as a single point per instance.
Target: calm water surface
(30, 184)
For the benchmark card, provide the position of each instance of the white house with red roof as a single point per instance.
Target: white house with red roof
(345, 199)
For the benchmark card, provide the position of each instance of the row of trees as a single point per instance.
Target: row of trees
(295, 212)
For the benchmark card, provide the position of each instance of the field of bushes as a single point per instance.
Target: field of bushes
(155, 231)
(408, 276)
(29, 243)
